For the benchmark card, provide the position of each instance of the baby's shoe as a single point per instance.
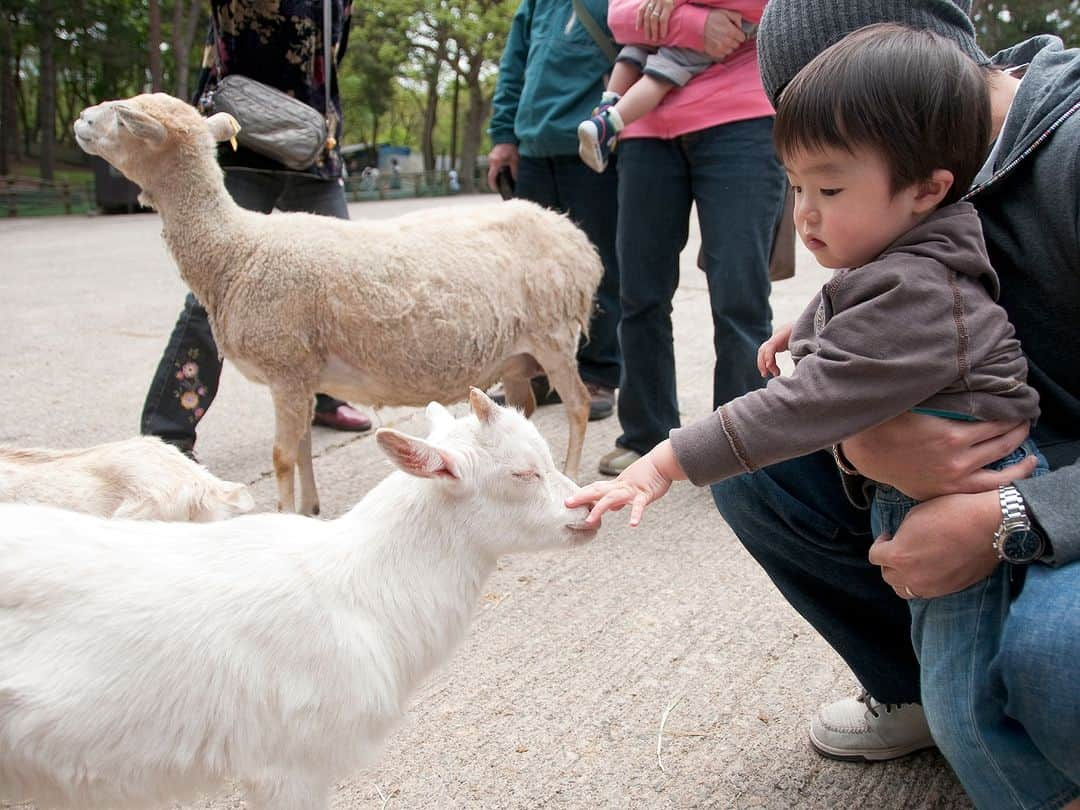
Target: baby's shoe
(597, 137)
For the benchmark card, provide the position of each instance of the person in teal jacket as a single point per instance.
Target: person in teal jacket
(551, 73)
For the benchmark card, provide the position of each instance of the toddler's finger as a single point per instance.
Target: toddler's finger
(638, 509)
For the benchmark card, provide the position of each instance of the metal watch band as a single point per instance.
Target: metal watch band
(1013, 511)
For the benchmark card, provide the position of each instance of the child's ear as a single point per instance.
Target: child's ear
(930, 192)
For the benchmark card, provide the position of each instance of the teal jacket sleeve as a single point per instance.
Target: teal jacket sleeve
(504, 104)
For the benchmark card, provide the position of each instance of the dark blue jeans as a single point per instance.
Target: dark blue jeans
(567, 185)
(186, 380)
(732, 174)
(796, 521)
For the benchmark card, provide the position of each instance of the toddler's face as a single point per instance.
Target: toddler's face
(845, 211)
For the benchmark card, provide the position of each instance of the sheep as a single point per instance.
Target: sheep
(394, 312)
(139, 478)
(146, 662)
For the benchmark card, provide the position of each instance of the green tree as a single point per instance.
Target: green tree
(1001, 24)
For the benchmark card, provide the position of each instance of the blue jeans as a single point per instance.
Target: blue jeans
(732, 174)
(565, 184)
(798, 524)
(186, 379)
(972, 692)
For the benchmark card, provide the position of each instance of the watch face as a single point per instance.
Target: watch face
(1022, 546)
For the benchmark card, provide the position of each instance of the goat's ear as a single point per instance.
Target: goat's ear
(223, 126)
(416, 456)
(486, 410)
(141, 125)
(438, 416)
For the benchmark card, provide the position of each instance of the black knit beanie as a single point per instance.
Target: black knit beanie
(792, 32)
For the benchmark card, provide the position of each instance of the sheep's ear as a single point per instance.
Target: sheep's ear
(486, 410)
(141, 125)
(416, 456)
(223, 126)
(438, 416)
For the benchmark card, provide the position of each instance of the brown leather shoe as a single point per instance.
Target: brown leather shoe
(343, 417)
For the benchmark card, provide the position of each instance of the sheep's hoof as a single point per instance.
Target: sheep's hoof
(315, 509)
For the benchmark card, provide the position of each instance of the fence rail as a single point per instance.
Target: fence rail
(30, 196)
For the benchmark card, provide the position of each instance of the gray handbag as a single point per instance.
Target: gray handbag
(273, 123)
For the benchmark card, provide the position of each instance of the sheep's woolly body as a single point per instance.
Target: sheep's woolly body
(393, 312)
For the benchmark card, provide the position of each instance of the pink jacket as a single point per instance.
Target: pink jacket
(728, 91)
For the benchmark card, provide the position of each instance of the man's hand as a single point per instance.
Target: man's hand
(653, 17)
(943, 546)
(501, 154)
(767, 351)
(646, 480)
(723, 33)
(925, 456)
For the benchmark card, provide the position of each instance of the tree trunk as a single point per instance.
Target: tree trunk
(154, 45)
(47, 89)
(475, 116)
(427, 142)
(9, 143)
(185, 28)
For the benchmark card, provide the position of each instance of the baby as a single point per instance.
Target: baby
(642, 76)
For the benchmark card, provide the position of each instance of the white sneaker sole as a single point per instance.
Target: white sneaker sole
(865, 754)
(589, 147)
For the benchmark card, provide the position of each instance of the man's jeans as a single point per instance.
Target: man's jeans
(732, 174)
(566, 184)
(796, 521)
(1005, 757)
(187, 376)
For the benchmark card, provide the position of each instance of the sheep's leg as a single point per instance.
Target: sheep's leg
(563, 375)
(519, 394)
(309, 495)
(292, 418)
(288, 794)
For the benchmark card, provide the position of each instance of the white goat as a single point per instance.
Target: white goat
(141, 662)
(141, 478)
(393, 312)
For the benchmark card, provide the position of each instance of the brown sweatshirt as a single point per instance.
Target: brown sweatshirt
(918, 327)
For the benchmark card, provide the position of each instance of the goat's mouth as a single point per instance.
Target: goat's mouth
(581, 532)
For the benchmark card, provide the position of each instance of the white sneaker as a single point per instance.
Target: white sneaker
(863, 728)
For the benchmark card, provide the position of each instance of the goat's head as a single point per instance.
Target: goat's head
(133, 134)
(495, 466)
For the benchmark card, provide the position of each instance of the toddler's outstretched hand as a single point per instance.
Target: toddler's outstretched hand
(766, 353)
(646, 480)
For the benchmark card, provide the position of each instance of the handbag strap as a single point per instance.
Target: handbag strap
(602, 40)
(328, 72)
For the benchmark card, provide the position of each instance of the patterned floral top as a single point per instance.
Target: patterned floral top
(279, 43)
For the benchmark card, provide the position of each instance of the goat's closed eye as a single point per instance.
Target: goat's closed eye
(526, 475)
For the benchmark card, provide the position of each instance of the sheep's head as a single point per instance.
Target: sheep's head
(496, 468)
(133, 134)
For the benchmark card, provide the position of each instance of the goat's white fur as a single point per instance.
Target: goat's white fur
(391, 312)
(141, 478)
(142, 662)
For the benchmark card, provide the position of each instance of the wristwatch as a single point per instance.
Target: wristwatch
(1016, 540)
